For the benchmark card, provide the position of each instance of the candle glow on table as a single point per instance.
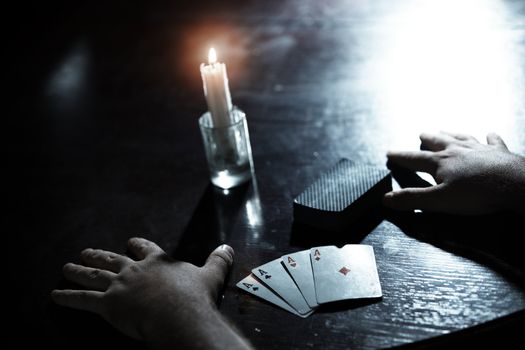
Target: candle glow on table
(216, 90)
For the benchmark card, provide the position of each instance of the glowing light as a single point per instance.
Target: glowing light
(68, 82)
(253, 212)
(212, 56)
(462, 77)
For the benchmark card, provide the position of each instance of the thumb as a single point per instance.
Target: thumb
(218, 264)
(425, 198)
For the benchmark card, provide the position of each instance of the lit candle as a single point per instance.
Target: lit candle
(216, 90)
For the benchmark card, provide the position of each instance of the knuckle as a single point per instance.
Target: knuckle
(129, 273)
(161, 257)
(135, 268)
(82, 294)
(94, 274)
(446, 153)
(222, 257)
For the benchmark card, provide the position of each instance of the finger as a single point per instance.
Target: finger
(141, 247)
(496, 140)
(87, 300)
(103, 259)
(88, 277)
(218, 264)
(435, 142)
(415, 161)
(460, 136)
(424, 198)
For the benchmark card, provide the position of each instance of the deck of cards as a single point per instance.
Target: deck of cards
(302, 281)
(341, 195)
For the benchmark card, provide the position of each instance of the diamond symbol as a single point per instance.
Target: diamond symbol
(344, 270)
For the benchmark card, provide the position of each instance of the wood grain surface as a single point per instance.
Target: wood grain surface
(103, 144)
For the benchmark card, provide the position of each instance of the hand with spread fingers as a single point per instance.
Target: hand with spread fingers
(471, 177)
(164, 302)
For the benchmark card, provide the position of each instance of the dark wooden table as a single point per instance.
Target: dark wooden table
(103, 144)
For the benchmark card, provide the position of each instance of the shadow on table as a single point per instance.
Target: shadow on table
(502, 333)
(211, 223)
(344, 305)
(306, 236)
(491, 240)
(65, 327)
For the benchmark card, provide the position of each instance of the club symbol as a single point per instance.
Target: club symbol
(344, 270)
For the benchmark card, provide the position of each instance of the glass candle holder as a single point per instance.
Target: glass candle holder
(228, 150)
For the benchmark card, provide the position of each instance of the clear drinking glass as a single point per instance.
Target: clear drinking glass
(228, 150)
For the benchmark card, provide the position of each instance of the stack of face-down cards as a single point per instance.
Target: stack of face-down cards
(302, 281)
(341, 195)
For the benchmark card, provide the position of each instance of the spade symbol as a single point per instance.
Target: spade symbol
(255, 288)
(317, 255)
(268, 276)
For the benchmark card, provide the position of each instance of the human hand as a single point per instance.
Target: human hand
(472, 178)
(154, 298)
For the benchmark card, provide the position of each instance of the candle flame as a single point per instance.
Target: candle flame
(212, 56)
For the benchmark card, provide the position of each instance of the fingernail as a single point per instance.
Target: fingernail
(387, 198)
(228, 249)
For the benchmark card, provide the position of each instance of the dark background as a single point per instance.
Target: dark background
(102, 144)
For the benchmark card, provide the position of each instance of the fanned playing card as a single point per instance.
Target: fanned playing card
(274, 276)
(301, 281)
(300, 268)
(343, 273)
(253, 286)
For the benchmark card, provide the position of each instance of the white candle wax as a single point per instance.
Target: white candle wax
(216, 90)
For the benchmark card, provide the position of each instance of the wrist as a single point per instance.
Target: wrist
(516, 186)
(177, 323)
(193, 325)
